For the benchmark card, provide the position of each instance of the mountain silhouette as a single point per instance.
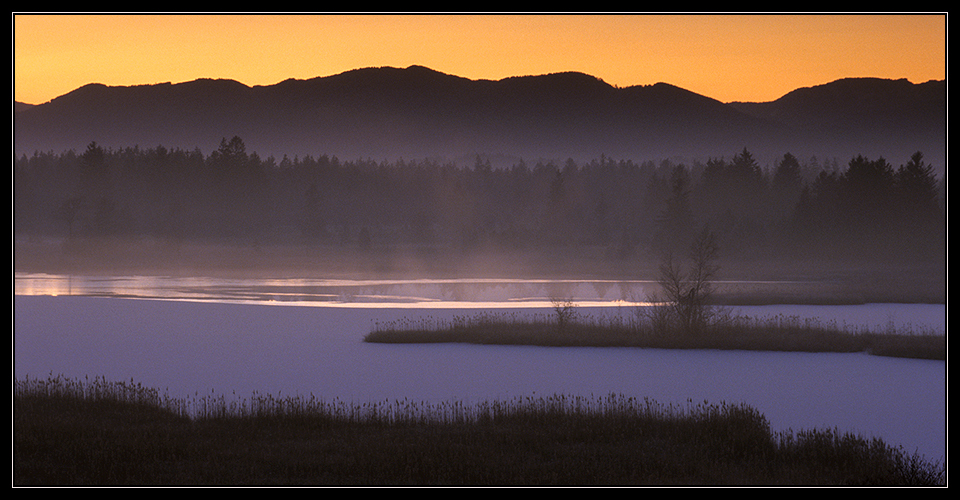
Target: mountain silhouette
(880, 116)
(389, 113)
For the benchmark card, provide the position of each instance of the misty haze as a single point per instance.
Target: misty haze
(388, 197)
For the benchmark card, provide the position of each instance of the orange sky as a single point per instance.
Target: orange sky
(726, 57)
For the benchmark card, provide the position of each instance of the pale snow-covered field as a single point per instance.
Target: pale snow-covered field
(193, 348)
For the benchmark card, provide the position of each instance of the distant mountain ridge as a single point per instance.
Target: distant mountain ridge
(863, 111)
(416, 112)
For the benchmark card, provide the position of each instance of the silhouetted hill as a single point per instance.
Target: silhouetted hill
(881, 117)
(389, 113)
(20, 106)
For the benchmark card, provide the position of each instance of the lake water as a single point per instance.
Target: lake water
(458, 293)
(609, 296)
(285, 337)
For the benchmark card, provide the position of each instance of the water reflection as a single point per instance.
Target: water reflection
(456, 293)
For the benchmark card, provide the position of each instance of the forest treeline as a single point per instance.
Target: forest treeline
(864, 209)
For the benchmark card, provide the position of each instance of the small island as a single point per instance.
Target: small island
(685, 317)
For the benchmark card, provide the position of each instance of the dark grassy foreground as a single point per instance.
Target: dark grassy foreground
(731, 333)
(69, 432)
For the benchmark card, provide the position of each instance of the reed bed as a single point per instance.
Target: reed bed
(642, 328)
(401, 411)
(85, 432)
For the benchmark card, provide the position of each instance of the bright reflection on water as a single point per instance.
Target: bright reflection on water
(452, 293)
(428, 294)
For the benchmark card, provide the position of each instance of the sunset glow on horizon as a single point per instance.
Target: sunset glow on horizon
(725, 57)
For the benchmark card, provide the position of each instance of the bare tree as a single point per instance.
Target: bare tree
(687, 293)
(565, 310)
